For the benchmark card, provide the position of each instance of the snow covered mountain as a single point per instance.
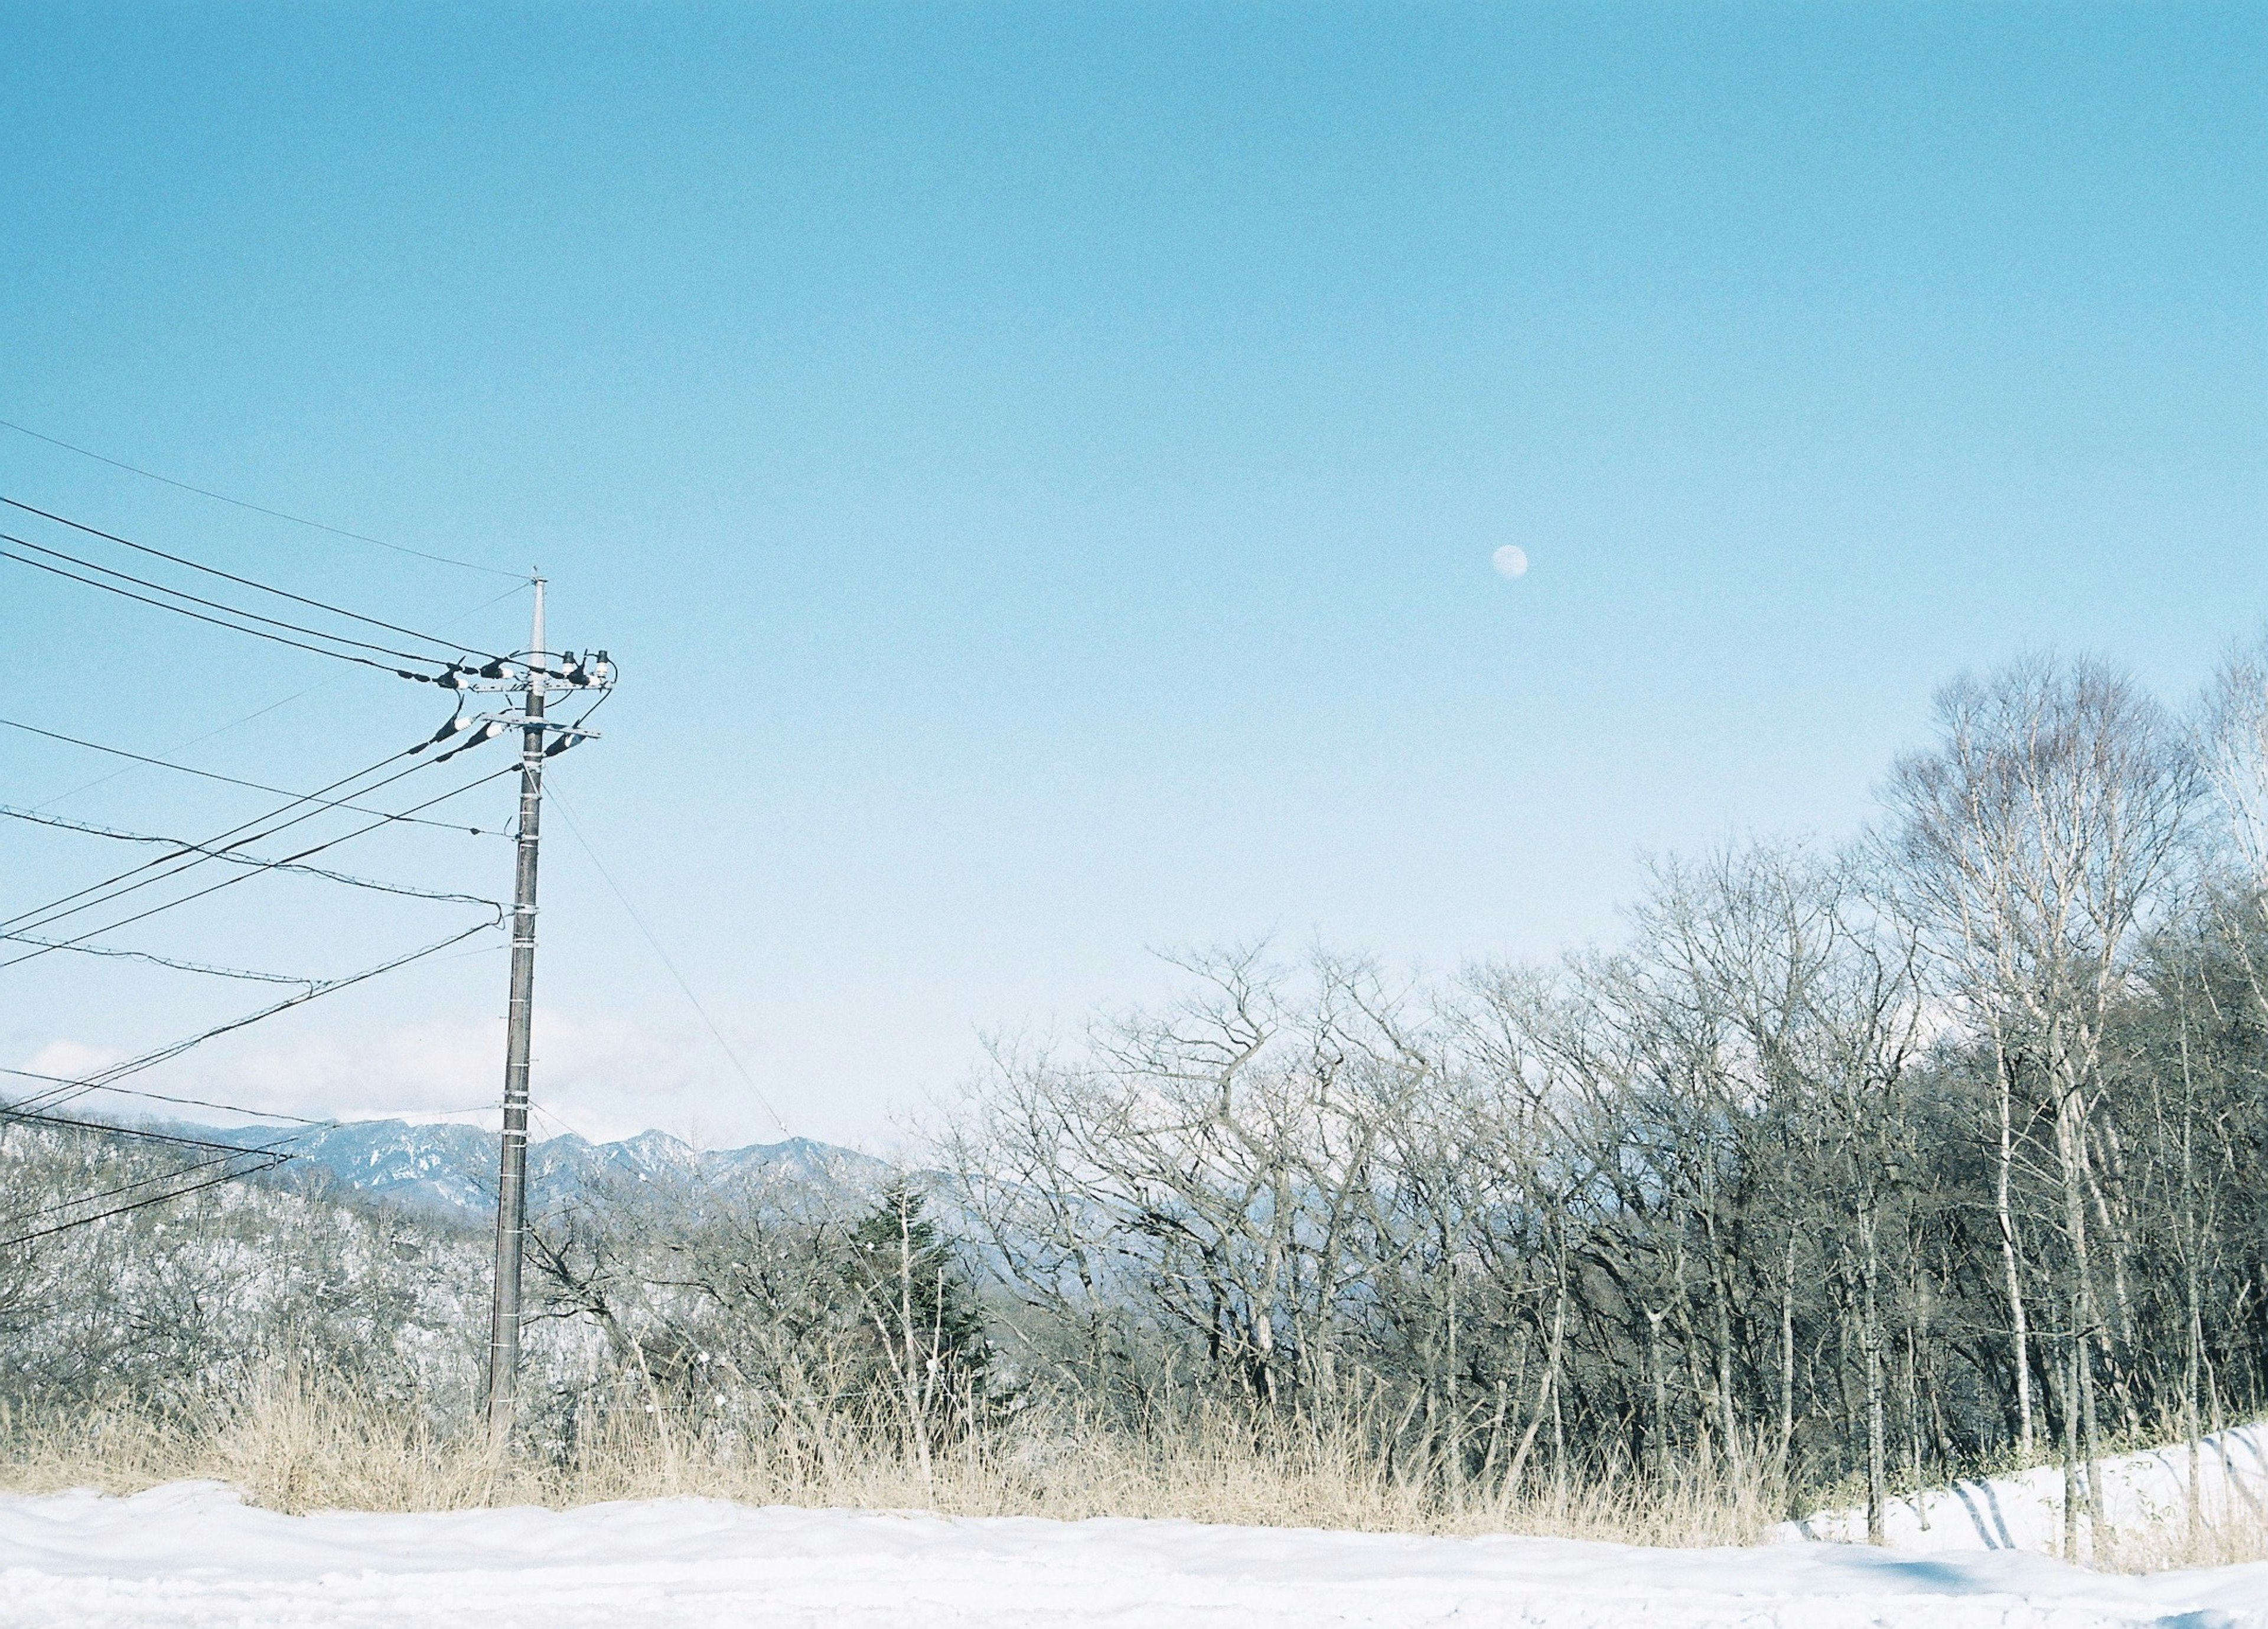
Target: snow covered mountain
(450, 1171)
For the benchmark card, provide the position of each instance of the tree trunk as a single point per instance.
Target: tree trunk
(2071, 1149)
(1870, 1350)
(1787, 1359)
(2190, 1404)
(1547, 1392)
(1661, 1378)
(2071, 1494)
(2019, 1334)
(909, 1335)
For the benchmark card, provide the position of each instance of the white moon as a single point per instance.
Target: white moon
(1511, 561)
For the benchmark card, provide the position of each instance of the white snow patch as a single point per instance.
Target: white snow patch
(2025, 1511)
(190, 1553)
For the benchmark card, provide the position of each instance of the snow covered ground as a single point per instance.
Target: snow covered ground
(190, 1554)
(2025, 1512)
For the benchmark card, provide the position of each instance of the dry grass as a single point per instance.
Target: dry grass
(2171, 1540)
(295, 1444)
(290, 1445)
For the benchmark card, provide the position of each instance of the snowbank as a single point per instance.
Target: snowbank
(190, 1553)
(2025, 1512)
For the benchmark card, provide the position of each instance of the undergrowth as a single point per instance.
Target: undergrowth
(297, 1443)
(300, 1443)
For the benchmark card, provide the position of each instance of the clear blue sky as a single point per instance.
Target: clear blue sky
(1038, 465)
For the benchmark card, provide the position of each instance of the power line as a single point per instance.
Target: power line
(157, 1097)
(102, 780)
(42, 916)
(536, 747)
(179, 858)
(276, 514)
(22, 918)
(52, 913)
(277, 638)
(177, 963)
(213, 571)
(234, 610)
(266, 1157)
(575, 827)
(61, 1090)
(230, 780)
(225, 883)
(346, 878)
(229, 1157)
(16, 1112)
(274, 1160)
(603, 697)
(102, 1078)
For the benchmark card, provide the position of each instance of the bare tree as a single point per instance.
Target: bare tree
(2033, 840)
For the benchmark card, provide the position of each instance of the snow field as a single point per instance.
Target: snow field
(190, 1553)
(2025, 1511)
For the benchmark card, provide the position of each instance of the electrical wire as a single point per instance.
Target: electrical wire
(162, 1097)
(570, 728)
(24, 919)
(485, 950)
(262, 712)
(234, 610)
(182, 856)
(270, 1153)
(170, 904)
(346, 878)
(102, 1078)
(239, 503)
(230, 780)
(228, 1157)
(177, 964)
(297, 645)
(13, 1111)
(576, 828)
(290, 862)
(104, 780)
(143, 1204)
(248, 582)
(330, 986)
(596, 701)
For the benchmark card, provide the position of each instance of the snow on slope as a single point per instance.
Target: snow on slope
(2025, 1511)
(449, 1170)
(190, 1554)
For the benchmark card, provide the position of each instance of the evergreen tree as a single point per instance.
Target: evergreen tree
(918, 1306)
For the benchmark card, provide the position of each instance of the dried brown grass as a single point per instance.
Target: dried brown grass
(2171, 1540)
(296, 1443)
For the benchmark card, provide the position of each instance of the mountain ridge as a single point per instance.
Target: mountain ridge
(449, 1171)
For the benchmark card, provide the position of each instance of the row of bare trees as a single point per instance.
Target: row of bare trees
(1857, 1166)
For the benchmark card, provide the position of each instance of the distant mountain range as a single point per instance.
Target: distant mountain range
(450, 1171)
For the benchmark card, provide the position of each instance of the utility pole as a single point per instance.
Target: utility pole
(511, 1183)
